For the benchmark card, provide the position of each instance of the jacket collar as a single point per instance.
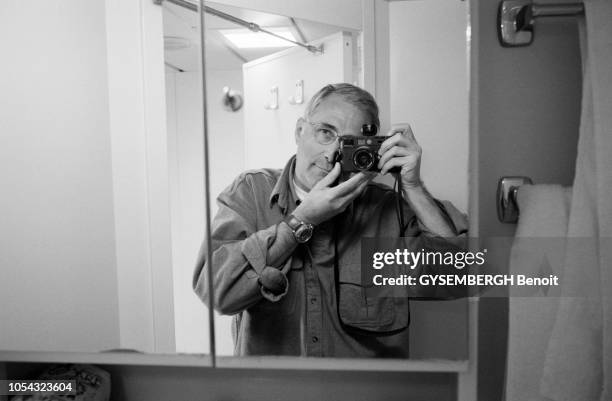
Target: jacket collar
(283, 193)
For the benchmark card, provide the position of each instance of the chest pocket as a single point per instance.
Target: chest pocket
(367, 310)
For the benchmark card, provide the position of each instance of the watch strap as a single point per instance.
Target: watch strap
(299, 228)
(293, 222)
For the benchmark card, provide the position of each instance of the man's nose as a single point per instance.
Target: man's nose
(330, 152)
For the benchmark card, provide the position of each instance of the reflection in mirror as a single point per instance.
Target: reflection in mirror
(88, 242)
(280, 287)
(185, 170)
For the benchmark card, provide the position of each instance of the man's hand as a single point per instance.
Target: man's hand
(402, 150)
(325, 201)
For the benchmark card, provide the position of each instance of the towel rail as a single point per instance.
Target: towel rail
(516, 19)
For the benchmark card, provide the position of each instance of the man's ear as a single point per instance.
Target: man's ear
(299, 128)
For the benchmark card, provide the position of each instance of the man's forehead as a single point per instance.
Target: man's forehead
(337, 110)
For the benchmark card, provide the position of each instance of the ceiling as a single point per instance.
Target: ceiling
(182, 39)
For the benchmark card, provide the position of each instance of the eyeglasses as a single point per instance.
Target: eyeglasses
(324, 134)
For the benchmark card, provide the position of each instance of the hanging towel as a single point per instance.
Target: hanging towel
(578, 362)
(537, 251)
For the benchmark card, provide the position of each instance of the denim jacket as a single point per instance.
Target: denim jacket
(304, 319)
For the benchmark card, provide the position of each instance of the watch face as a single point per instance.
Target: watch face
(303, 233)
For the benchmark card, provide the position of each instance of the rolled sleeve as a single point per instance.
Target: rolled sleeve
(273, 281)
(273, 278)
(456, 220)
(255, 248)
(248, 261)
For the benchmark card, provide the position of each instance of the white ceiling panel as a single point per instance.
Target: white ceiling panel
(181, 26)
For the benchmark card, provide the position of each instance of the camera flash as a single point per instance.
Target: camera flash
(368, 130)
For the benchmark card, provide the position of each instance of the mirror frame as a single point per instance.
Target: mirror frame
(375, 83)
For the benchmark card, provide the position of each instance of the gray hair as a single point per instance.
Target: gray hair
(352, 94)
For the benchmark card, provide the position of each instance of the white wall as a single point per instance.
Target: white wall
(227, 131)
(227, 160)
(429, 89)
(140, 174)
(185, 146)
(57, 251)
(186, 178)
(85, 245)
(428, 80)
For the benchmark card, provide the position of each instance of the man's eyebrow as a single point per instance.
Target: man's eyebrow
(328, 125)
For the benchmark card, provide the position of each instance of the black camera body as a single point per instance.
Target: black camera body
(359, 153)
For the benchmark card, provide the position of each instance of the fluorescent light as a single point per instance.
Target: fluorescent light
(246, 39)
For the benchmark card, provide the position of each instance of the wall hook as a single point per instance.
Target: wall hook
(232, 100)
(298, 97)
(273, 103)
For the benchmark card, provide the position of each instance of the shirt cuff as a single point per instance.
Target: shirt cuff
(274, 283)
(446, 216)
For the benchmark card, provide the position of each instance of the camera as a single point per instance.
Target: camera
(359, 153)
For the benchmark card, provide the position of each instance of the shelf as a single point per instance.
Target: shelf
(390, 365)
(107, 358)
(229, 362)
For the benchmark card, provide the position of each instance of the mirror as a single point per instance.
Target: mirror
(103, 169)
(416, 66)
(99, 235)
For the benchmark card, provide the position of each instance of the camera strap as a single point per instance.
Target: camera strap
(399, 205)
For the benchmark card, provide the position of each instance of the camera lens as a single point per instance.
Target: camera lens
(363, 159)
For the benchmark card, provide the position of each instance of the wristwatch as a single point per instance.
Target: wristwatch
(302, 231)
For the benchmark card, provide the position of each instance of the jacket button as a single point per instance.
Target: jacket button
(315, 339)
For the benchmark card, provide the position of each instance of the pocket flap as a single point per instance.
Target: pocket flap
(350, 273)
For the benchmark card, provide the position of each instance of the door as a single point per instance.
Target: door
(269, 123)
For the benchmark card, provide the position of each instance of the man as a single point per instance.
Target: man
(286, 256)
